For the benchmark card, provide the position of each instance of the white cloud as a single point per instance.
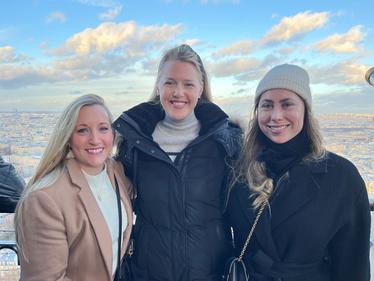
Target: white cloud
(192, 42)
(111, 13)
(99, 3)
(342, 43)
(56, 16)
(109, 37)
(7, 55)
(105, 37)
(290, 27)
(106, 51)
(243, 47)
(232, 67)
(344, 73)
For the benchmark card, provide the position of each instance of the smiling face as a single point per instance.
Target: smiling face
(179, 87)
(280, 114)
(92, 139)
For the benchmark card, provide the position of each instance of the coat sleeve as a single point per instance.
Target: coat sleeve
(11, 186)
(44, 251)
(350, 247)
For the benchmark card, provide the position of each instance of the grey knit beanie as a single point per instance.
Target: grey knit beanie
(287, 76)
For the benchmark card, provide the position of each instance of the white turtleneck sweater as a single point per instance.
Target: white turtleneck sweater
(174, 135)
(106, 198)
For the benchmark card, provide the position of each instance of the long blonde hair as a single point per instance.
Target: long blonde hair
(253, 172)
(184, 53)
(53, 161)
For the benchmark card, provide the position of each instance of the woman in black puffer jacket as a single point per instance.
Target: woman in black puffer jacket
(177, 149)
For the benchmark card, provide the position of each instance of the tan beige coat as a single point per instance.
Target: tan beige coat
(66, 235)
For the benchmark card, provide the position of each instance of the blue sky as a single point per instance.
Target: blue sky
(51, 51)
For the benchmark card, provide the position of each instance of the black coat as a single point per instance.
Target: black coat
(318, 227)
(180, 233)
(11, 187)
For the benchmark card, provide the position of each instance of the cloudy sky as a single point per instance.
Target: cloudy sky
(53, 51)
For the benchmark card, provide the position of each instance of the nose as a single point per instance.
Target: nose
(94, 137)
(178, 90)
(276, 113)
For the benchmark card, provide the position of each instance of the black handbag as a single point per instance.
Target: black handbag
(235, 269)
(123, 272)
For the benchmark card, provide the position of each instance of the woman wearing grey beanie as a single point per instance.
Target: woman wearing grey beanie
(315, 220)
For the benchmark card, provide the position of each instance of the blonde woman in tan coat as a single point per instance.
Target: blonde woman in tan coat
(67, 222)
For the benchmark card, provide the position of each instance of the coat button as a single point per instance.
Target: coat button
(138, 141)
(152, 151)
(118, 125)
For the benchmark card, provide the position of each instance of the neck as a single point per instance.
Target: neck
(179, 123)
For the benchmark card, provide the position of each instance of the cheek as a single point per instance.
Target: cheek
(261, 117)
(74, 143)
(109, 140)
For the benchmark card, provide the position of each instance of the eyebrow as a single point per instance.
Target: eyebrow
(184, 80)
(85, 125)
(282, 100)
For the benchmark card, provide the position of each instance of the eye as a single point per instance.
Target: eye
(287, 104)
(189, 85)
(104, 129)
(82, 130)
(169, 83)
(266, 105)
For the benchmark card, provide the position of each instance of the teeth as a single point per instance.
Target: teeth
(278, 127)
(95, 150)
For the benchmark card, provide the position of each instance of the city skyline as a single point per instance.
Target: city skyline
(53, 51)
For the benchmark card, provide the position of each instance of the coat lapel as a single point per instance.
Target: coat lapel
(124, 186)
(298, 189)
(262, 230)
(94, 213)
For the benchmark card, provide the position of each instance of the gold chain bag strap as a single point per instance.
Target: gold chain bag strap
(235, 269)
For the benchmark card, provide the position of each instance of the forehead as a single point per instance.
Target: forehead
(277, 95)
(93, 114)
(176, 68)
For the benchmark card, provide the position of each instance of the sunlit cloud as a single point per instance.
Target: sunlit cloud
(8, 55)
(232, 67)
(344, 73)
(111, 13)
(99, 3)
(56, 16)
(106, 51)
(103, 38)
(243, 47)
(192, 42)
(15, 76)
(293, 26)
(111, 36)
(342, 43)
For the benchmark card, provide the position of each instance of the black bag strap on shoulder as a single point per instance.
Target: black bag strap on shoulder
(118, 271)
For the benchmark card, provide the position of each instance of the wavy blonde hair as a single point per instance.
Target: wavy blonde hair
(253, 172)
(183, 53)
(53, 161)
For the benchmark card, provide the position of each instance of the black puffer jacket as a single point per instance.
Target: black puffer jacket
(11, 187)
(180, 233)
